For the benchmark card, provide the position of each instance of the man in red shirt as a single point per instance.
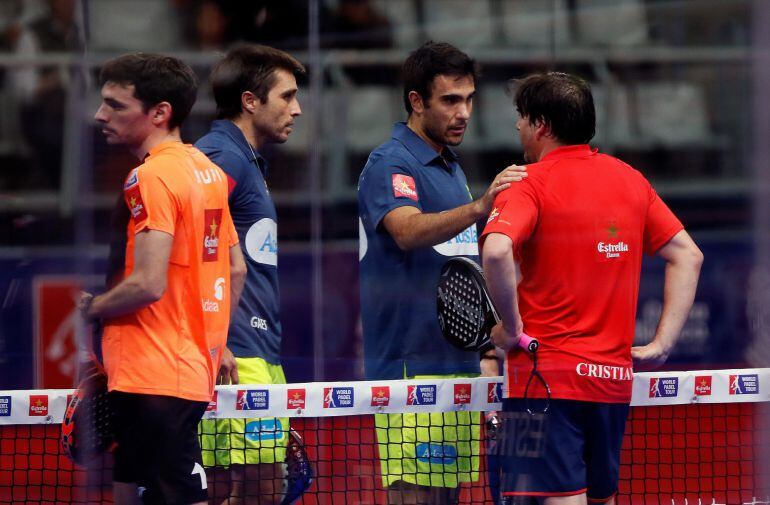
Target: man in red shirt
(577, 228)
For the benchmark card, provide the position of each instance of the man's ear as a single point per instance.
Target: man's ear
(249, 102)
(416, 101)
(161, 113)
(542, 129)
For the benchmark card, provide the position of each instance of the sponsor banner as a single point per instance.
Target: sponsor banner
(212, 406)
(339, 398)
(421, 394)
(703, 385)
(295, 399)
(744, 384)
(462, 394)
(58, 327)
(380, 396)
(494, 392)
(253, 399)
(664, 387)
(6, 406)
(335, 399)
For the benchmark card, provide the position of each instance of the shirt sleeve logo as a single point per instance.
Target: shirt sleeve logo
(135, 204)
(496, 210)
(212, 221)
(132, 179)
(404, 187)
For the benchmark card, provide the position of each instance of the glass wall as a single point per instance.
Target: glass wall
(678, 92)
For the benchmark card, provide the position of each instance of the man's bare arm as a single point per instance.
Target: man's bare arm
(500, 269)
(683, 262)
(413, 229)
(146, 283)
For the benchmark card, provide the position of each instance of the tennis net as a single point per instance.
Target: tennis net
(691, 437)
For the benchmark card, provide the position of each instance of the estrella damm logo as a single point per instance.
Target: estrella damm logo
(337, 398)
(462, 394)
(135, 203)
(380, 396)
(421, 394)
(295, 399)
(664, 387)
(252, 399)
(38, 405)
(703, 385)
(744, 384)
(211, 230)
(404, 187)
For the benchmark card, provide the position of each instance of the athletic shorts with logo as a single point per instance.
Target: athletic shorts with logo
(437, 449)
(250, 441)
(571, 449)
(158, 447)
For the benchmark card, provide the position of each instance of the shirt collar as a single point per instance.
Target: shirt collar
(418, 147)
(162, 146)
(571, 151)
(229, 128)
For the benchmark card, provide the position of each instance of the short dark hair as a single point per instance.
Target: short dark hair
(248, 67)
(561, 101)
(430, 60)
(156, 78)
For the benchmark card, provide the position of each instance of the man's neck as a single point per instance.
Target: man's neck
(416, 126)
(155, 139)
(546, 148)
(244, 124)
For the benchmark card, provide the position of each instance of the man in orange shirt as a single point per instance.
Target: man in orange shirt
(166, 321)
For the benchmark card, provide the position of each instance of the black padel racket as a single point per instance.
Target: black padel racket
(87, 428)
(467, 315)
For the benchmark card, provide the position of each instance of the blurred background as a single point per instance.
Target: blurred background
(679, 88)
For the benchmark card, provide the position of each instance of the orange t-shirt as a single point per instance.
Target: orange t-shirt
(172, 347)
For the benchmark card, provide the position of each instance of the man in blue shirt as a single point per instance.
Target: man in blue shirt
(255, 89)
(416, 211)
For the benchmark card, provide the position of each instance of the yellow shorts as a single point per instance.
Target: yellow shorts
(438, 449)
(226, 442)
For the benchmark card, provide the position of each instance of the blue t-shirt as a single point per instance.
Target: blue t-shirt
(398, 288)
(256, 329)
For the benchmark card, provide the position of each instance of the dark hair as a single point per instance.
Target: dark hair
(561, 101)
(430, 60)
(248, 67)
(156, 78)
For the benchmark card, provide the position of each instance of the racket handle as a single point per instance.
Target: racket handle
(528, 343)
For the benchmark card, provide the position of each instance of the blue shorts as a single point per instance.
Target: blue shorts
(572, 449)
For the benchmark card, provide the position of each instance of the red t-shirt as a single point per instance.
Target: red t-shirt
(579, 224)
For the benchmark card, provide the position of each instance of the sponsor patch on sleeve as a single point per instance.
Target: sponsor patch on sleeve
(135, 203)
(496, 210)
(404, 187)
(132, 179)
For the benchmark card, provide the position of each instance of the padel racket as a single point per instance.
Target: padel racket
(299, 472)
(467, 315)
(87, 428)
